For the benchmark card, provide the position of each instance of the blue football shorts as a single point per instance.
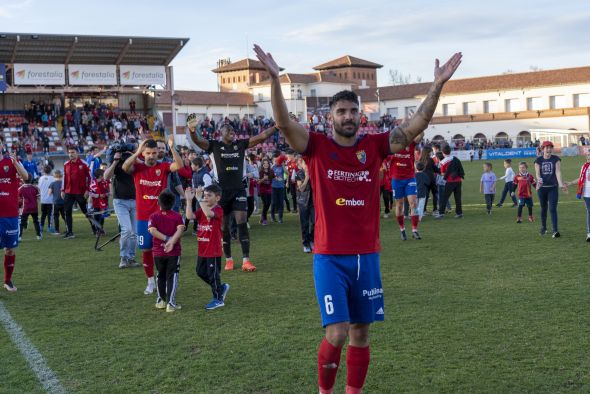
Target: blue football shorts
(348, 288)
(144, 238)
(9, 229)
(403, 188)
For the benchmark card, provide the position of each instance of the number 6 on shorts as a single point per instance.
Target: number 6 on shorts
(329, 304)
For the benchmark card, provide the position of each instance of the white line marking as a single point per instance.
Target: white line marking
(45, 375)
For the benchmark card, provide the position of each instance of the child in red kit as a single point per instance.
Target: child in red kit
(166, 227)
(209, 217)
(99, 195)
(28, 196)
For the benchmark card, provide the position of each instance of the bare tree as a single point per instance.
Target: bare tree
(396, 77)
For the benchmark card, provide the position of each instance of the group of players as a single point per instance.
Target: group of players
(347, 245)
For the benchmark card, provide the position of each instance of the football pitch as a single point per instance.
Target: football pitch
(480, 305)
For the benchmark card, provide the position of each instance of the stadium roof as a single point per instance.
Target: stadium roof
(191, 97)
(84, 49)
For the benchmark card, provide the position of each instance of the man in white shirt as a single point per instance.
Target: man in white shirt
(509, 185)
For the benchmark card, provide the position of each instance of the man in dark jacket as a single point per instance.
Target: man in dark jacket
(452, 171)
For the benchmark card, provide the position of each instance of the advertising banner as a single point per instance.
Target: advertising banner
(142, 75)
(39, 74)
(88, 74)
(492, 154)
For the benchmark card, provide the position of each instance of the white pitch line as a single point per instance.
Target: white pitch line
(45, 375)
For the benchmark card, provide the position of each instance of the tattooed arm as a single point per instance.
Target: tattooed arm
(402, 135)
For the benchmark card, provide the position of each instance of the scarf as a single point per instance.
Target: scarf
(582, 180)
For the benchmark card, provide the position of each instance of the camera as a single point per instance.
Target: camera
(126, 149)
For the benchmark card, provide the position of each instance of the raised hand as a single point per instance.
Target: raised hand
(171, 141)
(191, 121)
(444, 73)
(267, 61)
(189, 193)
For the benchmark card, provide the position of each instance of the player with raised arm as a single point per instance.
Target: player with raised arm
(150, 178)
(227, 159)
(344, 173)
(10, 168)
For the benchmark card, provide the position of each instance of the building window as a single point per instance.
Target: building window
(534, 103)
(556, 102)
(449, 109)
(392, 112)
(511, 105)
(581, 100)
(345, 75)
(490, 106)
(312, 93)
(468, 108)
(223, 80)
(234, 79)
(260, 97)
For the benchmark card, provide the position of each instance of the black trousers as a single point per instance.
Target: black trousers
(278, 195)
(69, 201)
(307, 221)
(46, 214)
(453, 188)
(387, 199)
(506, 191)
(25, 218)
(266, 198)
(489, 198)
(250, 201)
(168, 269)
(209, 270)
(433, 188)
(293, 192)
(57, 211)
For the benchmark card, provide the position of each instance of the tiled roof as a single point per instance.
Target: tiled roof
(244, 64)
(347, 61)
(306, 79)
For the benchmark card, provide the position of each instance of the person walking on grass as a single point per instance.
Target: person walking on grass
(549, 181)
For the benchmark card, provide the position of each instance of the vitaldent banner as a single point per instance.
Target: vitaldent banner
(491, 154)
(142, 75)
(39, 74)
(88, 74)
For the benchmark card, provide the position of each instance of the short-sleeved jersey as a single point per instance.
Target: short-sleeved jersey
(167, 223)
(149, 183)
(345, 181)
(548, 168)
(98, 188)
(227, 162)
(523, 184)
(402, 163)
(29, 194)
(8, 189)
(209, 232)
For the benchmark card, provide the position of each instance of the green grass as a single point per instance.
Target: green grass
(481, 304)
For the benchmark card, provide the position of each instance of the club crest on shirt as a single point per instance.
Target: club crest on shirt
(361, 155)
(158, 172)
(235, 147)
(80, 166)
(6, 168)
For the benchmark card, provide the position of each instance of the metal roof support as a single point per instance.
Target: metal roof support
(176, 50)
(13, 56)
(71, 51)
(123, 51)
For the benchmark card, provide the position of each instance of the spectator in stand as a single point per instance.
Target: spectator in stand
(265, 188)
(132, 106)
(28, 194)
(75, 187)
(46, 199)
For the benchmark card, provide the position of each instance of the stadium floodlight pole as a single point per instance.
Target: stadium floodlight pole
(173, 97)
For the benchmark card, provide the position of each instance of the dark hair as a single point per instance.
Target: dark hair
(47, 170)
(198, 161)
(214, 189)
(488, 164)
(151, 144)
(425, 155)
(29, 178)
(98, 173)
(446, 149)
(436, 146)
(192, 151)
(439, 155)
(345, 95)
(523, 163)
(72, 147)
(420, 166)
(509, 161)
(166, 200)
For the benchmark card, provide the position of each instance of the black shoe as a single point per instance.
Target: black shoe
(588, 238)
(458, 216)
(514, 205)
(543, 231)
(69, 235)
(416, 235)
(499, 205)
(403, 235)
(556, 234)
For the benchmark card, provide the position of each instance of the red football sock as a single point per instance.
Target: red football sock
(400, 220)
(8, 267)
(148, 263)
(357, 365)
(415, 221)
(328, 362)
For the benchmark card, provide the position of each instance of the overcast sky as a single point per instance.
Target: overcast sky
(499, 36)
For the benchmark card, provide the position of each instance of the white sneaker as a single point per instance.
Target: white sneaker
(306, 249)
(151, 286)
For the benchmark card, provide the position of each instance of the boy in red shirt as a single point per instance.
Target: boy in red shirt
(166, 227)
(99, 196)
(28, 195)
(523, 183)
(209, 217)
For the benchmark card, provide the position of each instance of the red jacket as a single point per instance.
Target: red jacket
(76, 177)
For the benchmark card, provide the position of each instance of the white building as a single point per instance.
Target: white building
(501, 107)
